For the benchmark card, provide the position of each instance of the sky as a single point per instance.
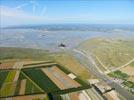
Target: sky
(28, 12)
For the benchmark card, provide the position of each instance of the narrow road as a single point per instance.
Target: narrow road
(121, 66)
(92, 67)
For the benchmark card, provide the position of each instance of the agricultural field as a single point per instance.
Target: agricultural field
(60, 78)
(71, 64)
(129, 84)
(30, 63)
(26, 86)
(31, 97)
(41, 80)
(39, 65)
(125, 77)
(3, 75)
(9, 85)
(109, 53)
(37, 78)
(8, 53)
(7, 65)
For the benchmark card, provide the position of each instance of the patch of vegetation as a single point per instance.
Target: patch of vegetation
(21, 77)
(38, 63)
(8, 89)
(71, 90)
(79, 80)
(17, 88)
(69, 63)
(10, 76)
(30, 88)
(54, 96)
(111, 52)
(83, 83)
(128, 84)
(41, 80)
(119, 74)
(3, 75)
(132, 64)
(23, 53)
(63, 69)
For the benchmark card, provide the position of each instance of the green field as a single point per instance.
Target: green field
(109, 52)
(3, 75)
(10, 76)
(64, 59)
(17, 89)
(132, 64)
(119, 74)
(8, 87)
(78, 78)
(41, 80)
(23, 53)
(69, 62)
(31, 88)
(128, 84)
(37, 81)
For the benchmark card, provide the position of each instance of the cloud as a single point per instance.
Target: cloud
(22, 5)
(43, 11)
(19, 13)
(13, 16)
(18, 16)
(34, 5)
(11, 12)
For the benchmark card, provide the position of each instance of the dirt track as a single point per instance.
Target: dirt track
(32, 62)
(16, 75)
(22, 87)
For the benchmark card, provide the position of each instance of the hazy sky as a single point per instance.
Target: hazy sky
(19, 12)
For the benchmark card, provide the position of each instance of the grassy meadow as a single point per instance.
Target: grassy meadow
(71, 64)
(23, 53)
(109, 53)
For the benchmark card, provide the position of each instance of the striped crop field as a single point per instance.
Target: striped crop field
(31, 88)
(10, 76)
(3, 75)
(27, 88)
(41, 80)
(8, 87)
